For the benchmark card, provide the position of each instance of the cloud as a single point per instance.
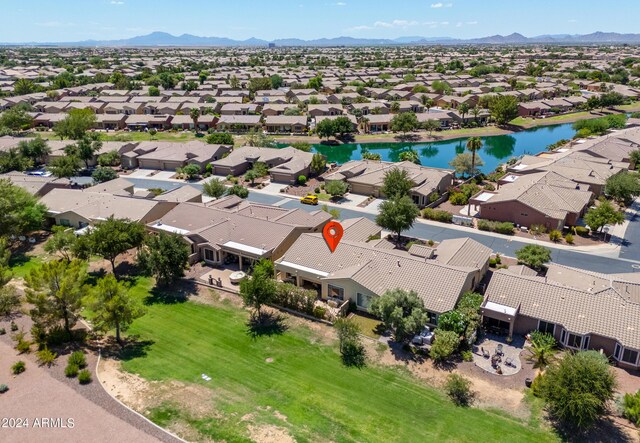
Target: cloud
(572, 20)
(441, 5)
(341, 4)
(474, 22)
(360, 28)
(395, 24)
(117, 2)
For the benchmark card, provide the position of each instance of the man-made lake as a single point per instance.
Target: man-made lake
(495, 150)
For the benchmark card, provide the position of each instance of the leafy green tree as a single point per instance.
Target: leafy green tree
(577, 389)
(260, 288)
(9, 298)
(154, 91)
(61, 242)
(396, 182)
(592, 103)
(624, 186)
(445, 344)
(464, 164)
(342, 125)
(397, 214)
(503, 109)
(373, 156)
(111, 158)
(75, 125)
(115, 236)
(315, 83)
(259, 139)
(326, 128)
(318, 164)
(410, 155)
(55, 291)
(276, 81)
(85, 149)
(102, 174)
(401, 311)
(66, 166)
(404, 122)
(113, 306)
(36, 149)
(534, 256)
(634, 157)
(603, 214)
(458, 389)
(351, 348)
(440, 87)
(238, 190)
(13, 160)
(220, 138)
(191, 171)
(542, 349)
(164, 256)
(452, 321)
(23, 86)
(431, 125)
(259, 84)
(214, 188)
(15, 119)
(20, 212)
(336, 188)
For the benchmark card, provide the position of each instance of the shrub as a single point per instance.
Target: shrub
(581, 231)
(458, 389)
(437, 215)
(14, 326)
(489, 187)
(445, 344)
(467, 355)
(504, 228)
(302, 179)
(78, 359)
(537, 229)
(2, 331)
(498, 259)
(569, 239)
(555, 235)
(631, 404)
(536, 385)
(18, 367)
(430, 242)
(46, 357)
(3, 389)
(492, 262)
(71, 370)
(485, 225)
(23, 346)
(316, 190)
(433, 197)
(84, 377)
(319, 312)
(458, 199)
(293, 297)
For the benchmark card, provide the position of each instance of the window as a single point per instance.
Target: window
(208, 255)
(574, 341)
(547, 327)
(65, 222)
(629, 356)
(336, 292)
(433, 318)
(616, 353)
(363, 300)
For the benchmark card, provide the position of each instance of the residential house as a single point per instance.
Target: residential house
(295, 124)
(170, 156)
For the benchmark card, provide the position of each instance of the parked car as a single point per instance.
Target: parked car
(425, 337)
(309, 200)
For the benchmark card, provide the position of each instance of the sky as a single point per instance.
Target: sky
(75, 20)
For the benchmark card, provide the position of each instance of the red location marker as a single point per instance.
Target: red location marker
(332, 233)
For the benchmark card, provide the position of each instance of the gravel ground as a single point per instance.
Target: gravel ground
(47, 392)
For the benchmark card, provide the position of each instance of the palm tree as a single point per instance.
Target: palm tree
(428, 103)
(195, 113)
(364, 124)
(463, 108)
(476, 112)
(473, 144)
(542, 349)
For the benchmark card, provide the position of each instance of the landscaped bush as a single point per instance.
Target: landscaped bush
(319, 312)
(317, 190)
(536, 385)
(467, 355)
(492, 262)
(445, 344)
(14, 326)
(437, 215)
(3, 388)
(46, 357)
(18, 367)
(84, 377)
(537, 229)
(78, 359)
(458, 199)
(631, 404)
(581, 231)
(434, 197)
(458, 389)
(555, 235)
(569, 239)
(293, 297)
(302, 179)
(2, 331)
(489, 187)
(23, 346)
(469, 189)
(499, 227)
(71, 370)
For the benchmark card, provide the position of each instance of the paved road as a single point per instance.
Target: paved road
(630, 253)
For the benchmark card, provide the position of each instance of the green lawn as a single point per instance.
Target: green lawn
(322, 400)
(368, 326)
(22, 264)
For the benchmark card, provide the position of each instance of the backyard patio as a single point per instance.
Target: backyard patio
(494, 355)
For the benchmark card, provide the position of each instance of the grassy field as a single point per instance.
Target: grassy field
(295, 374)
(368, 326)
(22, 264)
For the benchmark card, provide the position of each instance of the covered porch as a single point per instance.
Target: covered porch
(498, 319)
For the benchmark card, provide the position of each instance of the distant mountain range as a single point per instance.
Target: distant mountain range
(188, 40)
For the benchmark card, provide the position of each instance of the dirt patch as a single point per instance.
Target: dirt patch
(269, 434)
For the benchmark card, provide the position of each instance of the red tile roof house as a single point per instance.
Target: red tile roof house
(581, 309)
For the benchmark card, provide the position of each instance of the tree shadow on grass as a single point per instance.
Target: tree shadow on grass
(405, 353)
(604, 430)
(170, 295)
(267, 324)
(132, 349)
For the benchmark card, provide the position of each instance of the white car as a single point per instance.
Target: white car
(425, 337)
